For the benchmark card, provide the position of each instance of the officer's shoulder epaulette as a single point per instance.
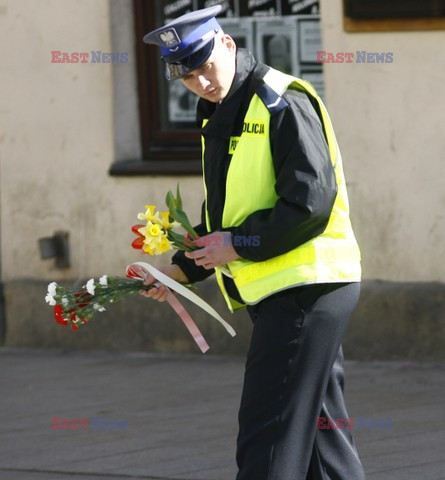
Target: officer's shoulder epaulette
(273, 101)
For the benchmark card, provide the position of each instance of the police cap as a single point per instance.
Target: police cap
(186, 42)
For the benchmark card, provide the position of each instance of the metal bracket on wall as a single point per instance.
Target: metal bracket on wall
(56, 247)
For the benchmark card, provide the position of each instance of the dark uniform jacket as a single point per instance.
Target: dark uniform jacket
(305, 179)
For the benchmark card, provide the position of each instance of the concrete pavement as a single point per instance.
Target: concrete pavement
(180, 414)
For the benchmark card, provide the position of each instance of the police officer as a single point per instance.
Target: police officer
(272, 172)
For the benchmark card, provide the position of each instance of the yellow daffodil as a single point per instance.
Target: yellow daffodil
(152, 237)
(155, 245)
(152, 242)
(164, 245)
(143, 231)
(148, 249)
(165, 223)
(151, 230)
(158, 235)
(154, 230)
(149, 215)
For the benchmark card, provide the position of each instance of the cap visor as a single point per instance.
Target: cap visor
(176, 70)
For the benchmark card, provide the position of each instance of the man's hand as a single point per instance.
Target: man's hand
(218, 252)
(160, 292)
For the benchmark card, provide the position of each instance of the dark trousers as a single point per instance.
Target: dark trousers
(294, 374)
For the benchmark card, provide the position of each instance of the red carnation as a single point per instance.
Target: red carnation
(58, 315)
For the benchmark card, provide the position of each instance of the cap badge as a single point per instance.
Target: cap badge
(170, 38)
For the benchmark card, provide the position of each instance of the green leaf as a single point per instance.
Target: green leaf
(169, 201)
(178, 241)
(175, 237)
(181, 217)
(177, 213)
(178, 199)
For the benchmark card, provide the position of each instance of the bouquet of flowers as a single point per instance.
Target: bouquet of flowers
(157, 235)
(76, 307)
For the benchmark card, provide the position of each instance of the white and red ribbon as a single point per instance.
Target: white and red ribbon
(140, 269)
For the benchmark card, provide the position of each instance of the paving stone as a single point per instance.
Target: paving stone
(181, 412)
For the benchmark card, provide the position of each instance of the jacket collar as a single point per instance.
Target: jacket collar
(245, 63)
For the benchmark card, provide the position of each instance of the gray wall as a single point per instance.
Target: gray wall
(392, 321)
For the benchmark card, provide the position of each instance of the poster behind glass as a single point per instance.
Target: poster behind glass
(276, 44)
(241, 30)
(284, 34)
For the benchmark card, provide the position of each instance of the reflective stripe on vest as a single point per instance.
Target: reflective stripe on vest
(332, 256)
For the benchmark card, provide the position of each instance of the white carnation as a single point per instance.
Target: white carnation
(50, 299)
(90, 286)
(52, 289)
(103, 280)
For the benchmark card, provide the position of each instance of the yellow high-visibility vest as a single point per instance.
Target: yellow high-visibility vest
(331, 257)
